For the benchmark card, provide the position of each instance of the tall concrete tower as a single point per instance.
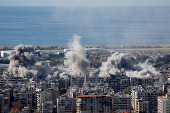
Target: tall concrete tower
(86, 80)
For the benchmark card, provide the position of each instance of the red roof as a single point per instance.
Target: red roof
(11, 86)
(14, 108)
(91, 96)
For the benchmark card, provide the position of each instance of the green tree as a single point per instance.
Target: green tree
(128, 90)
(159, 59)
(62, 91)
(143, 58)
(158, 65)
(166, 59)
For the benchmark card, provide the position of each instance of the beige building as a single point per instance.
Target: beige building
(141, 106)
(94, 104)
(164, 104)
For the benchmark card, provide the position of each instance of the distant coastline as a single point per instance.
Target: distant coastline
(150, 47)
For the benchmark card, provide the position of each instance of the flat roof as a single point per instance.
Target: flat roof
(92, 95)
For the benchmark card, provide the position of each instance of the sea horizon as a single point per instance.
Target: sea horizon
(100, 25)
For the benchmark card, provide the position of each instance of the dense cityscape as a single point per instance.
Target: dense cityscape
(80, 79)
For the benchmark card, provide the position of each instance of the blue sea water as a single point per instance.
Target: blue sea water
(96, 25)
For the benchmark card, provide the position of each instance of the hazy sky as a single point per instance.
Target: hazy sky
(84, 2)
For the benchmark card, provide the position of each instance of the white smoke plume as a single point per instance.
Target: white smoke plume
(44, 71)
(21, 61)
(49, 76)
(64, 75)
(77, 57)
(60, 72)
(93, 72)
(118, 63)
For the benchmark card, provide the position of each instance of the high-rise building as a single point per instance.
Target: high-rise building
(94, 104)
(165, 86)
(77, 81)
(25, 99)
(2, 81)
(4, 100)
(96, 79)
(41, 96)
(64, 83)
(141, 106)
(146, 94)
(2, 103)
(164, 104)
(46, 107)
(118, 82)
(66, 105)
(121, 102)
(53, 95)
(135, 81)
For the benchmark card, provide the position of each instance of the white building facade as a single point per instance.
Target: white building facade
(164, 104)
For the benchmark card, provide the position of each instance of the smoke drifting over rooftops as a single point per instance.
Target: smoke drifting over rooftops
(22, 64)
(118, 63)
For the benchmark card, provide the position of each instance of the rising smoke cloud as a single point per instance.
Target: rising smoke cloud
(44, 71)
(21, 61)
(77, 57)
(118, 63)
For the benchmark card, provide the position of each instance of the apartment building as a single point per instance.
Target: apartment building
(96, 79)
(147, 81)
(66, 105)
(146, 94)
(14, 81)
(53, 95)
(2, 103)
(77, 81)
(118, 82)
(42, 96)
(141, 106)
(165, 87)
(46, 107)
(64, 83)
(94, 104)
(121, 102)
(2, 82)
(164, 104)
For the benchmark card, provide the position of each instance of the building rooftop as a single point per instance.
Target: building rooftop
(92, 96)
(166, 97)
